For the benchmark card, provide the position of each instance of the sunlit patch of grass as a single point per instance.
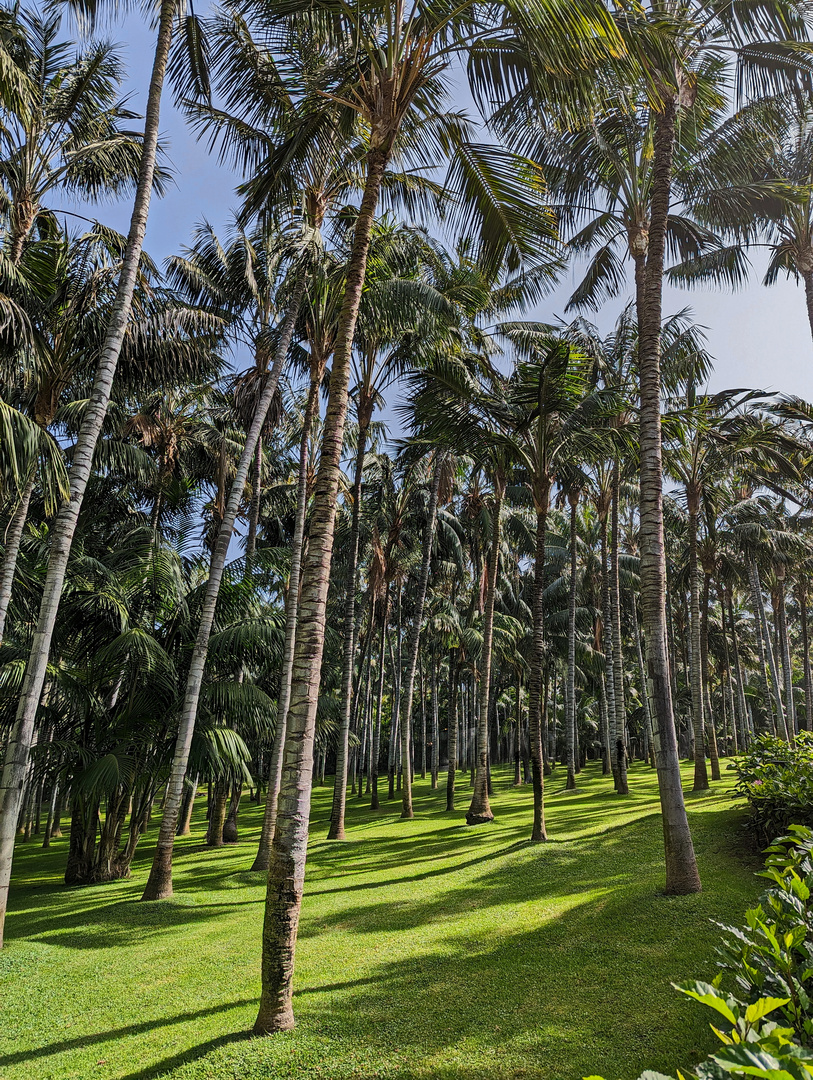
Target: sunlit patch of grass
(427, 949)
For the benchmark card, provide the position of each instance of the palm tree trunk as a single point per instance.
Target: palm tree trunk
(570, 694)
(159, 883)
(336, 830)
(806, 657)
(701, 780)
(376, 751)
(807, 275)
(538, 832)
(708, 713)
(13, 538)
(415, 640)
(16, 762)
(642, 675)
(681, 866)
(434, 762)
(759, 604)
(620, 744)
(263, 858)
(610, 764)
(185, 820)
(451, 728)
(254, 508)
(787, 664)
(287, 870)
(479, 812)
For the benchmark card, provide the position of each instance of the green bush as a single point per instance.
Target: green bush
(776, 778)
(773, 953)
(752, 1045)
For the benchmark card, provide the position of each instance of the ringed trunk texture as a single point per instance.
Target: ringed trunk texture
(16, 761)
(159, 883)
(681, 866)
(286, 876)
(708, 712)
(479, 812)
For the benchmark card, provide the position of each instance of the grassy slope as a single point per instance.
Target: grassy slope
(426, 949)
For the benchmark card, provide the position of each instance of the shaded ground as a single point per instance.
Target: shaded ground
(427, 949)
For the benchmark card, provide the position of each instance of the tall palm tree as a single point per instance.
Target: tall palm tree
(392, 77)
(16, 760)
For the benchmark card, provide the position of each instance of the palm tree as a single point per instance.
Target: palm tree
(392, 78)
(16, 760)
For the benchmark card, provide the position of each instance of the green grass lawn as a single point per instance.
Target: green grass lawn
(426, 949)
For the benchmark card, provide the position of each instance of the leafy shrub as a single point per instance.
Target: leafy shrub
(776, 778)
(773, 953)
(752, 1045)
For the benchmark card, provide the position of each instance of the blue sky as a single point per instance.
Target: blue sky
(759, 337)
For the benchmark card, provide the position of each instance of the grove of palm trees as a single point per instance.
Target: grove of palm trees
(403, 669)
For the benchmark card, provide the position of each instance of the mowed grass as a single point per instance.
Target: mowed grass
(426, 949)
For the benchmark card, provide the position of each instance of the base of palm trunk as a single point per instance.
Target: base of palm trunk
(159, 883)
(479, 817)
(269, 1023)
(683, 885)
(539, 837)
(261, 864)
(336, 832)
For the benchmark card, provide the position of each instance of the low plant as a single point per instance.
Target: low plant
(773, 952)
(752, 1044)
(776, 777)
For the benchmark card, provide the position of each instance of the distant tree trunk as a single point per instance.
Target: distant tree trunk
(49, 824)
(230, 824)
(756, 589)
(570, 691)
(808, 682)
(415, 638)
(681, 866)
(376, 751)
(706, 680)
(217, 818)
(185, 819)
(262, 859)
(650, 738)
(395, 718)
(784, 643)
(618, 658)
(609, 763)
(62, 531)
(434, 767)
(538, 832)
(454, 680)
(479, 812)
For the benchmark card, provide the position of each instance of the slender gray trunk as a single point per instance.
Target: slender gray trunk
(14, 769)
